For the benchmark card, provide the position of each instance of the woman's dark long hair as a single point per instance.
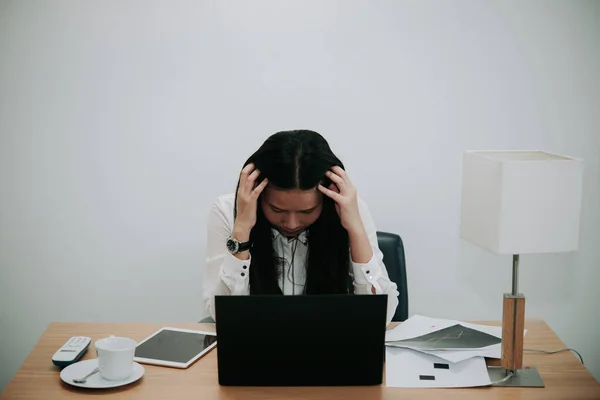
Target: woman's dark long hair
(298, 160)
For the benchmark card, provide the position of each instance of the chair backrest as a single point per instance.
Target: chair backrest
(392, 248)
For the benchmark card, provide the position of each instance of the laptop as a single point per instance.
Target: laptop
(307, 340)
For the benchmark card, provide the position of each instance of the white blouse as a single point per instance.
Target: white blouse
(227, 275)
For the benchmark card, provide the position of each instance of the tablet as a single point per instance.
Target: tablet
(174, 347)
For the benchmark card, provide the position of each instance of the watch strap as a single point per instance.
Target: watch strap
(244, 246)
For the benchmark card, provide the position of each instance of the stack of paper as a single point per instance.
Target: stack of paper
(430, 352)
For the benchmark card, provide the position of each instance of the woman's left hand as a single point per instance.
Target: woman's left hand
(343, 192)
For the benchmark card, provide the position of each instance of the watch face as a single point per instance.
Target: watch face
(232, 245)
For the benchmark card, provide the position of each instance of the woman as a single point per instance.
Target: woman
(298, 228)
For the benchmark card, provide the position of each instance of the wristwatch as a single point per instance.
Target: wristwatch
(235, 246)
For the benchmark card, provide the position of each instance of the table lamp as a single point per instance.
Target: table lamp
(520, 202)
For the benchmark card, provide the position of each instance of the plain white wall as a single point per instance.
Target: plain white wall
(121, 121)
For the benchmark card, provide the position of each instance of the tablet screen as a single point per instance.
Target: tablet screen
(174, 346)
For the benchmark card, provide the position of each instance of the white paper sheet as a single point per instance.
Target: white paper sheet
(418, 325)
(458, 356)
(454, 356)
(412, 369)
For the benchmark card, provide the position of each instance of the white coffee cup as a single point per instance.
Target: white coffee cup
(115, 357)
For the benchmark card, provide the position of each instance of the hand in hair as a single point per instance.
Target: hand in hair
(343, 192)
(247, 200)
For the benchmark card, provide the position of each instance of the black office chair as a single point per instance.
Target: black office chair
(392, 248)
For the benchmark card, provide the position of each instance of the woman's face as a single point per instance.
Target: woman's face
(291, 211)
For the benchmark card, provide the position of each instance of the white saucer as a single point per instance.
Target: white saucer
(82, 368)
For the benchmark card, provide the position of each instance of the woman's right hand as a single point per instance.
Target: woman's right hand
(247, 202)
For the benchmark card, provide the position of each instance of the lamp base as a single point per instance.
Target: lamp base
(524, 377)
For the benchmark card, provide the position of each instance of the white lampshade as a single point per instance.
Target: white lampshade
(520, 202)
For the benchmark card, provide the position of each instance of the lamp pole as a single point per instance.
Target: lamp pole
(515, 275)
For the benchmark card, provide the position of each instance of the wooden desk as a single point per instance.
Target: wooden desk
(38, 378)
